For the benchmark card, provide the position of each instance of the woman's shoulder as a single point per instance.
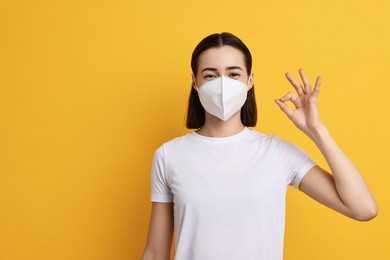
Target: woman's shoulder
(174, 142)
(270, 139)
(256, 134)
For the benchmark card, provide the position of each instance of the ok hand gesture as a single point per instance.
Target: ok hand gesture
(305, 115)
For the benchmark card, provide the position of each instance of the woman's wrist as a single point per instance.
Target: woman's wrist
(319, 135)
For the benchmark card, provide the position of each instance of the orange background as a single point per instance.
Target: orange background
(89, 90)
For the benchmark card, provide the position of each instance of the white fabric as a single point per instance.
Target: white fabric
(228, 193)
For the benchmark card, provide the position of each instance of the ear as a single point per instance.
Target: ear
(194, 81)
(251, 80)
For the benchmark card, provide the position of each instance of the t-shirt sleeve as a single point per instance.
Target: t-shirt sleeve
(160, 190)
(295, 160)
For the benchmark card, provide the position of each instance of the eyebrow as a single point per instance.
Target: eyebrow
(228, 68)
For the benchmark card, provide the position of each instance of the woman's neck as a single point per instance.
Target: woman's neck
(214, 127)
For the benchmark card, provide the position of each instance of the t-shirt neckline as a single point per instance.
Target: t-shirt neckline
(209, 139)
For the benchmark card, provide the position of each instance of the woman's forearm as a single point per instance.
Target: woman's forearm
(350, 185)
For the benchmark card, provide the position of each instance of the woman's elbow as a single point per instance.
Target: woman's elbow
(367, 214)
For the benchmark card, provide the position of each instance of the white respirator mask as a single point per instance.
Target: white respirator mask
(223, 96)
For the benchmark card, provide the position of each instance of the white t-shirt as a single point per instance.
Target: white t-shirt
(228, 193)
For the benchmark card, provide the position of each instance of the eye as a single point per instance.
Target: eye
(234, 75)
(209, 76)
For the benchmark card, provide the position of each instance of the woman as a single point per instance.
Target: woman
(221, 189)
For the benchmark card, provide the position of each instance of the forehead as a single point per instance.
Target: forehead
(221, 57)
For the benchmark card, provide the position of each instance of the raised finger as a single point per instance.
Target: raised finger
(316, 89)
(295, 84)
(305, 81)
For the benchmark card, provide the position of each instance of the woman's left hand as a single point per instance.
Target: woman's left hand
(305, 115)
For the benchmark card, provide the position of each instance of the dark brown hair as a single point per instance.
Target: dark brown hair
(196, 113)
